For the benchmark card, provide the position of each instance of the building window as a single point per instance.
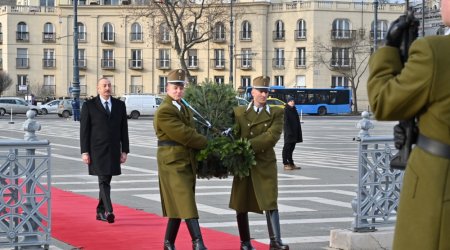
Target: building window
(278, 59)
(49, 88)
(219, 79)
(22, 83)
(246, 31)
(22, 60)
(136, 33)
(108, 35)
(340, 57)
(81, 32)
(339, 81)
(164, 33)
(300, 60)
(219, 58)
(22, 34)
(49, 58)
(246, 58)
(341, 29)
(162, 84)
(192, 60)
(278, 34)
(382, 28)
(246, 81)
(82, 62)
(219, 32)
(191, 33)
(136, 85)
(49, 34)
(136, 59)
(300, 33)
(279, 80)
(83, 89)
(300, 81)
(164, 59)
(108, 61)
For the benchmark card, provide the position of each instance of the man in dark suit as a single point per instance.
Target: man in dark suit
(177, 142)
(104, 142)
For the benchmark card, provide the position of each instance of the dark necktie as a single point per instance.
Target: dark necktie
(108, 112)
(182, 108)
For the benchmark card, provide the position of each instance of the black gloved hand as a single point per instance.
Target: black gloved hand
(399, 136)
(394, 36)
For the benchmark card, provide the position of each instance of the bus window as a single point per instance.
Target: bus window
(343, 97)
(333, 97)
(311, 98)
(301, 98)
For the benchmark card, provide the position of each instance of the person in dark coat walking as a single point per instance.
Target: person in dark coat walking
(76, 109)
(292, 134)
(177, 142)
(104, 142)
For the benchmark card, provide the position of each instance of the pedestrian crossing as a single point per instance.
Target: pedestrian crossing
(312, 201)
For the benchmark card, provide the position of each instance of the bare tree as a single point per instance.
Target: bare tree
(5, 82)
(347, 57)
(189, 22)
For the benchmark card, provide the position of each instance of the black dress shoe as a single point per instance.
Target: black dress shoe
(101, 216)
(110, 217)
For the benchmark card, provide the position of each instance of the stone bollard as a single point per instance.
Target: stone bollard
(31, 126)
(364, 125)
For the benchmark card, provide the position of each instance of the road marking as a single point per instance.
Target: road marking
(282, 222)
(294, 240)
(220, 211)
(318, 200)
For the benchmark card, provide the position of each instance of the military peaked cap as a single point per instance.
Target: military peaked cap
(261, 82)
(177, 76)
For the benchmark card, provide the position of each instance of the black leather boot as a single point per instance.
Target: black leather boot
(171, 233)
(244, 231)
(196, 234)
(273, 224)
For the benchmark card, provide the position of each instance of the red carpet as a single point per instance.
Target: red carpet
(73, 222)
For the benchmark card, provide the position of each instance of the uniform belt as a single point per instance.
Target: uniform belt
(168, 143)
(433, 147)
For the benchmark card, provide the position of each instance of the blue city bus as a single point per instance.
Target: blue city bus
(320, 101)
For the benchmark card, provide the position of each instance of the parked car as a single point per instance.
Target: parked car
(65, 107)
(17, 105)
(50, 107)
(275, 102)
(241, 101)
(141, 105)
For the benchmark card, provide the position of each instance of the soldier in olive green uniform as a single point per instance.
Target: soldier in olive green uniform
(177, 142)
(421, 89)
(259, 191)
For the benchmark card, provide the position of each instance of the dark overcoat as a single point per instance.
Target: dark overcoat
(258, 191)
(292, 126)
(422, 89)
(177, 164)
(103, 137)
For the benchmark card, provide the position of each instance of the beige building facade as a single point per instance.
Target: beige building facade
(278, 39)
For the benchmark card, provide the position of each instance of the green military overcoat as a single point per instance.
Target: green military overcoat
(422, 89)
(177, 164)
(259, 191)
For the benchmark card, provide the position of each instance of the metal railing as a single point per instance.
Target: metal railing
(378, 191)
(25, 204)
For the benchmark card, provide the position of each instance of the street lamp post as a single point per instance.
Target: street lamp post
(76, 71)
(231, 43)
(375, 25)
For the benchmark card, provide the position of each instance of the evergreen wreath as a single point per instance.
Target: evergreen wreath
(223, 155)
